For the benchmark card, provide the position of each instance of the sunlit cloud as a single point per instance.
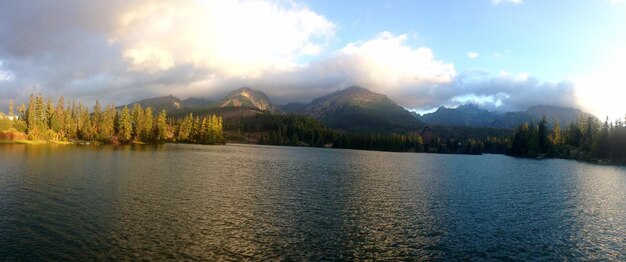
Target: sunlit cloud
(233, 38)
(125, 50)
(383, 64)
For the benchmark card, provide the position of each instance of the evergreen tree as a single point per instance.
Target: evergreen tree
(137, 118)
(97, 118)
(70, 123)
(556, 134)
(184, 129)
(161, 126)
(148, 124)
(48, 116)
(542, 136)
(107, 122)
(602, 146)
(31, 115)
(521, 140)
(125, 124)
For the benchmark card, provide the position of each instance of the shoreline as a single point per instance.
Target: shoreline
(96, 143)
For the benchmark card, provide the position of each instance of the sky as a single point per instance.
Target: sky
(503, 55)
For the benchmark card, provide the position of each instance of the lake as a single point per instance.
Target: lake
(244, 202)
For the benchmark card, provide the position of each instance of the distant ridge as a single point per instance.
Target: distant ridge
(472, 115)
(168, 103)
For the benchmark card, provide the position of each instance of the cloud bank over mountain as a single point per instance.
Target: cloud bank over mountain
(120, 51)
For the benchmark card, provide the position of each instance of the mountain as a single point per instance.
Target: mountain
(472, 115)
(357, 109)
(564, 115)
(250, 98)
(168, 103)
(465, 115)
(193, 102)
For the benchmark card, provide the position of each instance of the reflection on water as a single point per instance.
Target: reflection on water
(191, 202)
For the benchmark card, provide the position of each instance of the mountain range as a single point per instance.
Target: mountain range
(357, 109)
(472, 115)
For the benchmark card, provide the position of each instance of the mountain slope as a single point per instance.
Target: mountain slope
(250, 98)
(168, 103)
(357, 109)
(193, 102)
(293, 108)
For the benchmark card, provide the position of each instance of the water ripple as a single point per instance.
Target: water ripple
(190, 202)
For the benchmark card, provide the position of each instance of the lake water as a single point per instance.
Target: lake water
(239, 202)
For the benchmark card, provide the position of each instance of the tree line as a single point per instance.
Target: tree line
(585, 139)
(298, 130)
(65, 121)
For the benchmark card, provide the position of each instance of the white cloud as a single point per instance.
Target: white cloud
(472, 55)
(235, 38)
(384, 64)
(387, 60)
(497, 2)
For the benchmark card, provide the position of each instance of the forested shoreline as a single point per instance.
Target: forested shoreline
(586, 140)
(72, 122)
(298, 130)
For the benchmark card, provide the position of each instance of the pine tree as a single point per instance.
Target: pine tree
(161, 126)
(137, 118)
(542, 136)
(147, 129)
(602, 146)
(556, 134)
(107, 124)
(125, 124)
(184, 130)
(31, 115)
(96, 117)
(48, 116)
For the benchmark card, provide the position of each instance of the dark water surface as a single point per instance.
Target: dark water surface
(235, 202)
